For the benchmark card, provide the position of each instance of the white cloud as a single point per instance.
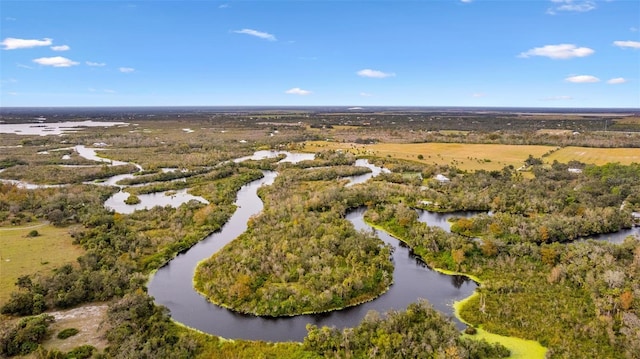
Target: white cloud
(466, 1)
(631, 44)
(91, 89)
(126, 70)
(479, 94)
(297, 91)
(9, 81)
(60, 48)
(633, 29)
(25, 66)
(582, 79)
(374, 74)
(365, 94)
(223, 6)
(561, 51)
(256, 33)
(557, 98)
(56, 61)
(571, 5)
(11, 43)
(617, 80)
(95, 64)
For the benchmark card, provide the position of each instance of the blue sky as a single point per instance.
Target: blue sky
(543, 53)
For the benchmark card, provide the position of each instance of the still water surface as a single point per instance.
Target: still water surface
(172, 285)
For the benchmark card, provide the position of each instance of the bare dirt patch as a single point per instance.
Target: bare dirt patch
(86, 319)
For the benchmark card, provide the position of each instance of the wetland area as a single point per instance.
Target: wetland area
(282, 202)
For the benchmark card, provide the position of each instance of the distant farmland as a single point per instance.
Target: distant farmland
(597, 156)
(464, 156)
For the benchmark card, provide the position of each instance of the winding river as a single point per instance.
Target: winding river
(172, 285)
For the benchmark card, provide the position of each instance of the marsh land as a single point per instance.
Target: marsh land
(284, 220)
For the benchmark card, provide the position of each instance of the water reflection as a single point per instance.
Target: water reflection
(171, 286)
(53, 128)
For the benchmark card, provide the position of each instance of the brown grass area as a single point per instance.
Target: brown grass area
(464, 156)
(21, 255)
(554, 132)
(631, 120)
(597, 156)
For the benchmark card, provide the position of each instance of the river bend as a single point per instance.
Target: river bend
(172, 285)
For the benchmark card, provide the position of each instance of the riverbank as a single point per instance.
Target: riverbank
(519, 348)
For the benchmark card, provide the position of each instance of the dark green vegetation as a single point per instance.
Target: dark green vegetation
(68, 332)
(293, 260)
(24, 336)
(578, 299)
(418, 332)
(581, 299)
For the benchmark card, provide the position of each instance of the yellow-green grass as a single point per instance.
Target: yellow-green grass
(519, 348)
(464, 156)
(596, 156)
(21, 255)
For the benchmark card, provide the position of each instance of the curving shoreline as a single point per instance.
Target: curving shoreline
(520, 348)
(172, 286)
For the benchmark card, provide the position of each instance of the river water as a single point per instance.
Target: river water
(172, 285)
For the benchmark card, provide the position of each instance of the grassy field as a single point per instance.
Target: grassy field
(464, 156)
(597, 156)
(21, 255)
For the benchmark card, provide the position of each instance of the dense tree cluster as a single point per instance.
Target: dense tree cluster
(293, 261)
(24, 336)
(418, 332)
(60, 206)
(137, 328)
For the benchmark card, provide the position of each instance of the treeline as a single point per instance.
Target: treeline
(328, 158)
(330, 173)
(61, 206)
(418, 332)
(162, 176)
(55, 174)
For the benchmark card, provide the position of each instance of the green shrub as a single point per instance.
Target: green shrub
(81, 352)
(66, 333)
(132, 199)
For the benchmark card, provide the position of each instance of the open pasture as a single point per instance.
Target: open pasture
(597, 156)
(21, 255)
(464, 156)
